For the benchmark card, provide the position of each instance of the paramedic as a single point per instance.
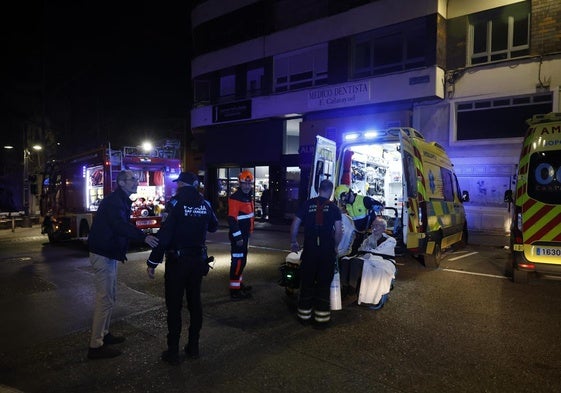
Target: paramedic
(362, 210)
(322, 234)
(182, 239)
(240, 221)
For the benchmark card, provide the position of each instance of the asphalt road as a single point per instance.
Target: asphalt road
(460, 328)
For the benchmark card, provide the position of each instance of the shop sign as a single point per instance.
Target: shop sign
(339, 95)
(419, 80)
(233, 111)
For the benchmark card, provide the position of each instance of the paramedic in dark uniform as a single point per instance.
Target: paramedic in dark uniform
(182, 239)
(240, 221)
(322, 234)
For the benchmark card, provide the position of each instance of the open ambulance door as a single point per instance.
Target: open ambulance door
(324, 164)
(410, 213)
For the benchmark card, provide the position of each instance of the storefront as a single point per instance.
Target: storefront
(260, 148)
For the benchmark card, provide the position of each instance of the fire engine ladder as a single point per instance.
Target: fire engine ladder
(115, 165)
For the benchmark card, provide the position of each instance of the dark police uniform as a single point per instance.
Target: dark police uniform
(182, 239)
(318, 258)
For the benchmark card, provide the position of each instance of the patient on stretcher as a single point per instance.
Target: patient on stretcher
(371, 272)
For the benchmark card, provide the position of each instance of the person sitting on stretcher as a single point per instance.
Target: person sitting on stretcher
(371, 272)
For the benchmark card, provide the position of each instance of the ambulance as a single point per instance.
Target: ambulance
(412, 177)
(535, 233)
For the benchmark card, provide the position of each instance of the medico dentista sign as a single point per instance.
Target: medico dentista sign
(339, 95)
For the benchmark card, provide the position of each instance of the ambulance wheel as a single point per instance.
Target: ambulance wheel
(432, 261)
(464, 241)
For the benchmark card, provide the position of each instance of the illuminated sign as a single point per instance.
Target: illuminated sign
(339, 95)
(232, 111)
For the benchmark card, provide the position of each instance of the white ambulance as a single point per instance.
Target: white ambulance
(414, 179)
(535, 233)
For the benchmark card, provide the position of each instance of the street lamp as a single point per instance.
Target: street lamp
(26, 179)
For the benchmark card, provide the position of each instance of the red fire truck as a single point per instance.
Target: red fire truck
(73, 188)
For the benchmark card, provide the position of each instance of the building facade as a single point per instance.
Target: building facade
(268, 76)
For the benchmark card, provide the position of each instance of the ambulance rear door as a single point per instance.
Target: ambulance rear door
(412, 180)
(324, 164)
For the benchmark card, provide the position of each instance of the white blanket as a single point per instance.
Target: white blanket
(377, 273)
(377, 276)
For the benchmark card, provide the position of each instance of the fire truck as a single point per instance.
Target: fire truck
(73, 188)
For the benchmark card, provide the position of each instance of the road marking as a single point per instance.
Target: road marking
(463, 256)
(252, 246)
(475, 274)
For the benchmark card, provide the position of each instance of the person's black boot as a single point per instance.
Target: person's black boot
(246, 288)
(238, 294)
(171, 356)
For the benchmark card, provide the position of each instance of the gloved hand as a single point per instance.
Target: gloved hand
(207, 265)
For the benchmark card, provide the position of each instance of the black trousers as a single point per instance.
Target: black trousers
(350, 272)
(183, 277)
(316, 273)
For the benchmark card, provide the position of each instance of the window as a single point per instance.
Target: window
(499, 34)
(227, 85)
(291, 139)
(300, 69)
(389, 50)
(447, 184)
(201, 92)
(503, 117)
(410, 175)
(255, 81)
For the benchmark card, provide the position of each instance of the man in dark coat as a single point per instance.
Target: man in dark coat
(108, 242)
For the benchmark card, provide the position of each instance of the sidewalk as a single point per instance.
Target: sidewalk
(22, 233)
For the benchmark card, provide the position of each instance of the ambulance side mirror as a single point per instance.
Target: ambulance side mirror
(465, 196)
(508, 196)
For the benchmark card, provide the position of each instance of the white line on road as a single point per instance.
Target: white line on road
(463, 256)
(475, 274)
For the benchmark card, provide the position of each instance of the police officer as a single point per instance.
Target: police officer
(182, 238)
(322, 234)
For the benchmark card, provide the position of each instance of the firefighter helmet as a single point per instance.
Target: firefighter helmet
(341, 189)
(245, 177)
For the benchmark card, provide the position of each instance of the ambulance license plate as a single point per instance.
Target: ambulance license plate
(548, 251)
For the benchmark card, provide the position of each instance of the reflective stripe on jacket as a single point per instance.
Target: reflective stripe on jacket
(240, 214)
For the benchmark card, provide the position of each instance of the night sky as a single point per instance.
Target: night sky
(96, 71)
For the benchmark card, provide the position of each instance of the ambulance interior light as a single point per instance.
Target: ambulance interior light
(370, 134)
